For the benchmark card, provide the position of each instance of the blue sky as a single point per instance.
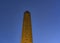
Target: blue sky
(45, 15)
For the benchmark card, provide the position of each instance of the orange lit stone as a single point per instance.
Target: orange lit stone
(26, 28)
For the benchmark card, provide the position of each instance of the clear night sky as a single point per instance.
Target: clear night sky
(45, 16)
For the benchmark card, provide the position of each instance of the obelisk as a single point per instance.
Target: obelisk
(26, 28)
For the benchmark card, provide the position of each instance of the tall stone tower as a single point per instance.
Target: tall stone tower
(26, 28)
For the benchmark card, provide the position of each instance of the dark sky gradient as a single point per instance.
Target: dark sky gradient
(45, 16)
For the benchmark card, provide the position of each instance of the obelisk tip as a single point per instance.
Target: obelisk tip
(27, 12)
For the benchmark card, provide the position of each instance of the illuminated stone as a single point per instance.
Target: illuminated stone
(26, 28)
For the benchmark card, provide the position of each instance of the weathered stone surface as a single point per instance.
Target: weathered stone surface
(26, 28)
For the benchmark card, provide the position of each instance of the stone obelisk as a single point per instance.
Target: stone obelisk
(26, 28)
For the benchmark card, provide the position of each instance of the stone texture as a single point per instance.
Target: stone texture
(26, 28)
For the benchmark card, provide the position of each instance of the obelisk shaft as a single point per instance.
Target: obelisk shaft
(26, 28)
